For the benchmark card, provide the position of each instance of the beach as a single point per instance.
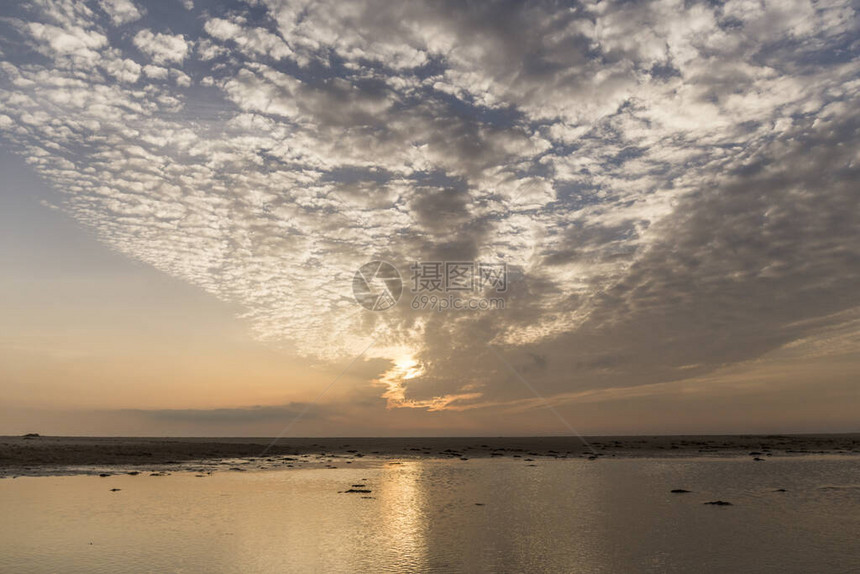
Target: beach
(44, 455)
(420, 513)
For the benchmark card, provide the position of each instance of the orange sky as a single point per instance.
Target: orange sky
(188, 199)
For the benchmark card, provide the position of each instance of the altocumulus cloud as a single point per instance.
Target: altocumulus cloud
(672, 184)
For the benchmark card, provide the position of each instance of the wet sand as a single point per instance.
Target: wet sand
(45, 455)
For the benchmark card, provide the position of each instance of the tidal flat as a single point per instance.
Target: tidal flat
(462, 507)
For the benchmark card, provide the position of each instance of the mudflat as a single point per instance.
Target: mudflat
(36, 455)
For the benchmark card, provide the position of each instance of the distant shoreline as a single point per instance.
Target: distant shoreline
(40, 455)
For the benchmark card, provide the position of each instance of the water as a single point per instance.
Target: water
(558, 516)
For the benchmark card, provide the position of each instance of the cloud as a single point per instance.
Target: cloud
(669, 183)
(162, 48)
(231, 416)
(121, 11)
(70, 42)
(255, 40)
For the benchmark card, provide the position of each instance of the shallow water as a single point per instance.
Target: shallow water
(423, 516)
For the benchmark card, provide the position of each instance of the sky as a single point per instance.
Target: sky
(370, 218)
